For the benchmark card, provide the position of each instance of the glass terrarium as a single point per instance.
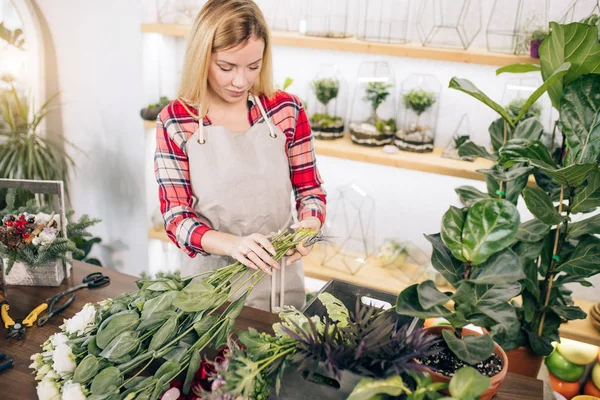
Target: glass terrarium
(448, 23)
(417, 113)
(462, 134)
(512, 23)
(403, 259)
(516, 92)
(328, 18)
(327, 103)
(351, 228)
(372, 114)
(178, 11)
(384, 21)
(282, 15)
(580, 10)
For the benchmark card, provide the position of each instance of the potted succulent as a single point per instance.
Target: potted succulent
(375, 131)
(415, 136)
(151, 111)
(326, 125)
(537, 37)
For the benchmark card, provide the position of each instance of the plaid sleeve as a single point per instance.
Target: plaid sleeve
(171, 169)
(306, 181)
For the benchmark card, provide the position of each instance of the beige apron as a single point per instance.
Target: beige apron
(241, 185)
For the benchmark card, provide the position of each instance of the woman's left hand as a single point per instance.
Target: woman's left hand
(300, 251)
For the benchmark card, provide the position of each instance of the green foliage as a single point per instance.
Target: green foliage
(419, 100)
(376, 93)
(326, 89)
(515, 106)
(323, 120)
(385, 126)
(539, 34)
(162, 102)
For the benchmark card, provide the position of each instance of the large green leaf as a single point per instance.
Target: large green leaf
(589, 226)
(491, 300)
(556, 76)
(502, 267)
(430, 296)
(532, 231)
(442, 260)
(468, 383)
(407, 303)
(529, 129)
(527, 252)
(589, 196)
(369, 388)
(571, 176)
(512, 189)
(496, 131)
(541, 206)
(512, 173)
(198, 296)
(470, 149)
(585, 260)
(464, 85)
(580, 119)
(470, 349)
(470, 195)
(452, 230)
(490, 226)
(518, 68)
(574, 43)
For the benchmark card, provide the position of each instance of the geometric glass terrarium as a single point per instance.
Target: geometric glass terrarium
(417, 113)
(384, 21)
(448, 23)
(462, 134)
(327, 103)
(579, 10)
(351, 227)
(372, 115)
(512, 23)
(178, 11)
(327, 18)
(282, 15)
(403, 260)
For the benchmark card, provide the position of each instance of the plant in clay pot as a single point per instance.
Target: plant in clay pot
(536, 38)
(375, 131)
(325, 125)
(415, 136)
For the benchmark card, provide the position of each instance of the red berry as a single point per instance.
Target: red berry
(25, 235)
(21, 217)
(9, 223)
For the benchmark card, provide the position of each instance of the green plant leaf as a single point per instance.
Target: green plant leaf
(532, 231)
(528, 252)
(496, 131)
(580, 119)
(471, 349)
(469, 195)
(541, 346)
(510, 174)
(468, 383)
(569, 313)
(589, 196)
(336, 310)
(520, 68)
(207, 322)
(161, 303)
(529, 129)
(176, 354)
(490, 226)
(502, 267)
(430, 296)
(164, 334)
(197, 296)
(589, 226)
(574, 43)
(464, 85)
(166, 372)
(442, 260)
(108, 380)
(470, 149)
(491, 300)
(86, 369)
(452, 231)
(571, 176)
(585, 260)
(155, 319)
(120, 346)
(115, 325)
(369, 388)
(191, 371)
(550, 80)
(407, 303)
(541, 206)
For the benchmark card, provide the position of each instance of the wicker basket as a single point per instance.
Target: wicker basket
(50, 274)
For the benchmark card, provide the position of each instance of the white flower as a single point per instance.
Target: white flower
(83, 322)
(48, 390)
(43, 218)
(43, 371)
(73, 391)
(63, 360)
(45, 238)
(59, 338)
(38, 361)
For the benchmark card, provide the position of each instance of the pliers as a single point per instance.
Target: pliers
(5, 364)
(16, 327)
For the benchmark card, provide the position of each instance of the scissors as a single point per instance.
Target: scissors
(90, 281)
(317, 237)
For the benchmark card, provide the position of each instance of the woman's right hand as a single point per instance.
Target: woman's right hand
(253, 251)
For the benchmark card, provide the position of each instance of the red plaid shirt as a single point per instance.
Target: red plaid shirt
(174, 128)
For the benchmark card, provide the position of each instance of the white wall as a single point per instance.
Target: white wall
(98, 48)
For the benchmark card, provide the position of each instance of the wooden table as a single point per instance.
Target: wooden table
(18, 383)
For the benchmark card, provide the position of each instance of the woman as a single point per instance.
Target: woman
(230, 150)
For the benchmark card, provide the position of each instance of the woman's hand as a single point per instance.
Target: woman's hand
(300, 251)
(252, 250)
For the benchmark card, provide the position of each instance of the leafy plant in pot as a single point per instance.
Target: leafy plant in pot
(417, 137)
(374, 131)
(324, 124)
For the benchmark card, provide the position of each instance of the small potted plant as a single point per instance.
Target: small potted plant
(375, 131)
(416, 137)
(326, 125)
(537, 37)
(150, 112)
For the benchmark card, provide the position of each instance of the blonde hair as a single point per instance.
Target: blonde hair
(222, 25)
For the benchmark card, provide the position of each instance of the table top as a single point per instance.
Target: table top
(18, 383)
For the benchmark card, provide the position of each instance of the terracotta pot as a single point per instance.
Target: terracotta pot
(497, 380)
(523, 361)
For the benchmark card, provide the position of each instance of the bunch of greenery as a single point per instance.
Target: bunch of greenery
(376, 93)
(515, 106)
(324, 120)
(419, 100)
(326, 89)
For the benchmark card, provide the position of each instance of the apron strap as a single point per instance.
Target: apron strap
(199, 118)
(264, 114)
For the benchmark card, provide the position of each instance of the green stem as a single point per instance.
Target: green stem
(137, 374)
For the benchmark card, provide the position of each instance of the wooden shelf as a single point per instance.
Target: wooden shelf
(394, 280)
(149, 124)
(425, 162)
(411, 50)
